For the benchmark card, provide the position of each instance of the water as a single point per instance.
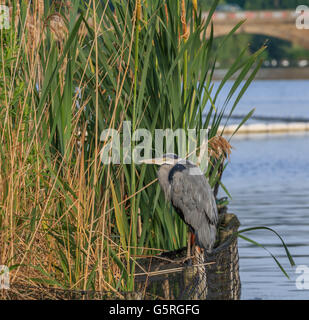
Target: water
(268, 177)
(271, 98)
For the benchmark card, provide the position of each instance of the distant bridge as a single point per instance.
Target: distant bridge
(278, 24)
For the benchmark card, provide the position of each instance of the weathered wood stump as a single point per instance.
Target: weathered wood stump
(171, 276)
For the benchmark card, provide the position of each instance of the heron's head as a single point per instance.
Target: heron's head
(166, 159)
(166, 162)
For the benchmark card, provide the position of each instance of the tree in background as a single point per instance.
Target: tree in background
(266, 4)
(277, 49)
(259, 4)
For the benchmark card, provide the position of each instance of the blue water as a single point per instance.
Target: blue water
(271, 98)
(268, 178)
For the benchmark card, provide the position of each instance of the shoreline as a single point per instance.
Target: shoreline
(293, 73)
(262, 128)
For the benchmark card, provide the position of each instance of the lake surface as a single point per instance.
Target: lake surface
(271, 98)
(268, 178)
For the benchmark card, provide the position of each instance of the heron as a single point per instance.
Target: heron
(191, 196)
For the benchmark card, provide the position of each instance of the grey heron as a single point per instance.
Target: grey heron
(191, 196)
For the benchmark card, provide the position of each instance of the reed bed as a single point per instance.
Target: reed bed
(69, 71)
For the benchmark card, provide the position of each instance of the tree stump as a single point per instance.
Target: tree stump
(170, 275)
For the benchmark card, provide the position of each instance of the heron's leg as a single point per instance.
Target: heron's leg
(198, 252)
(192, 242)
(189, 245)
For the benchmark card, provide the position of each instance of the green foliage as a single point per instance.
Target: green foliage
(73, 221)
(276, 48)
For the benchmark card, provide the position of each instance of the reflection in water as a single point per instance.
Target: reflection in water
(268, 178)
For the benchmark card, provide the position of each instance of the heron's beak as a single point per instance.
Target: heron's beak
(148, 161)
(159, 161)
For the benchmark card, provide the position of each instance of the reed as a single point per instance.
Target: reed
(69, 71)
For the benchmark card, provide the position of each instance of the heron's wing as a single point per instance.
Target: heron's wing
(193, 197)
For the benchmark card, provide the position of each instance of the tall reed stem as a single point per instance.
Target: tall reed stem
(185, 58)
(133, 226)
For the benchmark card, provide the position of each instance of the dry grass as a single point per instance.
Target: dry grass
(66, 220)
(219, 147)
(36, 205)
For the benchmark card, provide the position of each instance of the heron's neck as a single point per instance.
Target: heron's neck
(163, 180)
